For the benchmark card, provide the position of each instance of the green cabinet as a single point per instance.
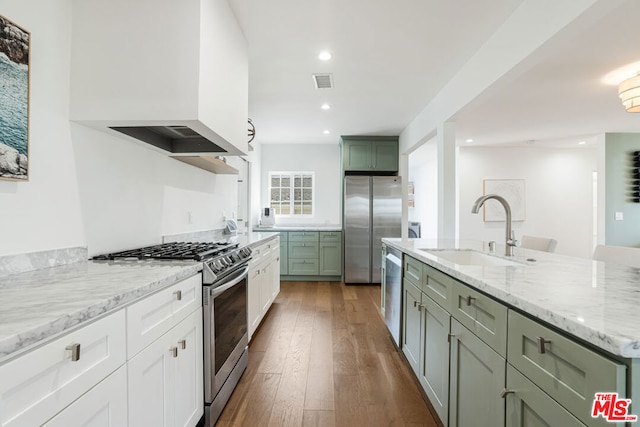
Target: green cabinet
(568, 372)
(411, 339)
(311, 255)
(477, 379)
(425, 334)
(376, 154)
(528, 405)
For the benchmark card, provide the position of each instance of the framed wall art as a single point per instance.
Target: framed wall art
(14, 101)
(513, 191)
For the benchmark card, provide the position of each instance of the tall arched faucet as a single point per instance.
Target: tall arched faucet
(510, 240)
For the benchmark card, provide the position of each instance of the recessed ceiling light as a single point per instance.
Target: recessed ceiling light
(325, 106)
(469, 140)
(326, 132)
(582, 142)
(324, 56)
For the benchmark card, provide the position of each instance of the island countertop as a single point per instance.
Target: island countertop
(594, 301)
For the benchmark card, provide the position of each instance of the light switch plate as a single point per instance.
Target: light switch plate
(619, 216)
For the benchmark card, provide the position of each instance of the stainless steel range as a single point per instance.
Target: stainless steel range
(224, 298)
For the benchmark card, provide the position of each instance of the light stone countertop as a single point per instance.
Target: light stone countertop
(40, 305)
(591, 300)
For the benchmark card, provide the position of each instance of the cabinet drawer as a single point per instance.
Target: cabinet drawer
(104, 405)
(484, 316)
(413, 271)
(151, 317)
(303, 267)
(439, 287)
(567, 371)
(299, 250)
(527, 405)
(41, 383)
(303, 236)
(264, 249)
(330, 237)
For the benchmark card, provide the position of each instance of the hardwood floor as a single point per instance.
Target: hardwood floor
(323, 357)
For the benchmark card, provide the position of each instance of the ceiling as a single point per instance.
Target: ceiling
(389, 59)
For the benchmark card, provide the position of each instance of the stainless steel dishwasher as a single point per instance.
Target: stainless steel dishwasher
(392, 291)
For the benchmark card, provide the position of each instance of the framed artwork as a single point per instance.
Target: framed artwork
(513, 191)
(14, 101)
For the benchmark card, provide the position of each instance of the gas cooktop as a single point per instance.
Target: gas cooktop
(196, 251)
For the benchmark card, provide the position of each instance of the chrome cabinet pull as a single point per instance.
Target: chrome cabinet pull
(449, 336)
(505, 392)
(415, 303)
(178, 295)
(174, 351)
(469, 299)
(75, 351)
(183, 344)
(541, 345)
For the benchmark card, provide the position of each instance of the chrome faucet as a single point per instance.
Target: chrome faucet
(510, 240)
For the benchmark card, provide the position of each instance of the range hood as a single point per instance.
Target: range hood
(173, 139)
(172, 75)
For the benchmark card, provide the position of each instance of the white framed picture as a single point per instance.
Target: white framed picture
(513, 191)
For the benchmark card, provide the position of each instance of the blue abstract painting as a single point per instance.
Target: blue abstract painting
(14, 101)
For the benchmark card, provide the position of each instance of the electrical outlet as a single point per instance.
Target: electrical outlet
(619, 216)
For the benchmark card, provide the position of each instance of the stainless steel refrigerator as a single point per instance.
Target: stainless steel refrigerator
(372, 210)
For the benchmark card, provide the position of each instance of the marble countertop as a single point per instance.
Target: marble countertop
(591, 300)
(39, 305)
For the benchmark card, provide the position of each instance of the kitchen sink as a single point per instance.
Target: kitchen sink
(470, 257)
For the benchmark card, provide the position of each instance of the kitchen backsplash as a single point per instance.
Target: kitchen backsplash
(21, 263)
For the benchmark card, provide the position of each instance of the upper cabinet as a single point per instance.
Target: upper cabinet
(173, 74)
(370, 154)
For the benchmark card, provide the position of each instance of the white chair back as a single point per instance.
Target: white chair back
(618, 255)
(539, 243)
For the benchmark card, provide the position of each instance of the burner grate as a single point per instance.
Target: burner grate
(196, 251)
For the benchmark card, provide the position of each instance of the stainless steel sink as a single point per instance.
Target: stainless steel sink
(470, 257)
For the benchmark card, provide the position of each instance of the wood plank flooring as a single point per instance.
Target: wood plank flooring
(323, 357)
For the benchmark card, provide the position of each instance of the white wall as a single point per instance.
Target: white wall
(324, 160)
(423, 172)
(558, 190)
(88, 188)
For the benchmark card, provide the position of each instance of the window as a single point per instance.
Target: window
(291, 193)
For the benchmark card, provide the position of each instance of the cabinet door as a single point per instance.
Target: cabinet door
(105, 405)
(356, 155)
(298, 250)
(384, 156)
(284, 258)
(527, 405)
(254, 281)
(411, 325)
(187, 373)
(330, 259)
(38, 385)
(434, 359)
(266, 287)
(477, 378)
(276, 271)
(149, 384)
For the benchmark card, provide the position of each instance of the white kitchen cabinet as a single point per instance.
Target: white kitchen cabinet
(105, 405)
(263, 281)
(165, 384)
(153, 316)
(41, 383)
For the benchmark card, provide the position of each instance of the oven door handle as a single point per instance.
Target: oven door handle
(220, 289)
